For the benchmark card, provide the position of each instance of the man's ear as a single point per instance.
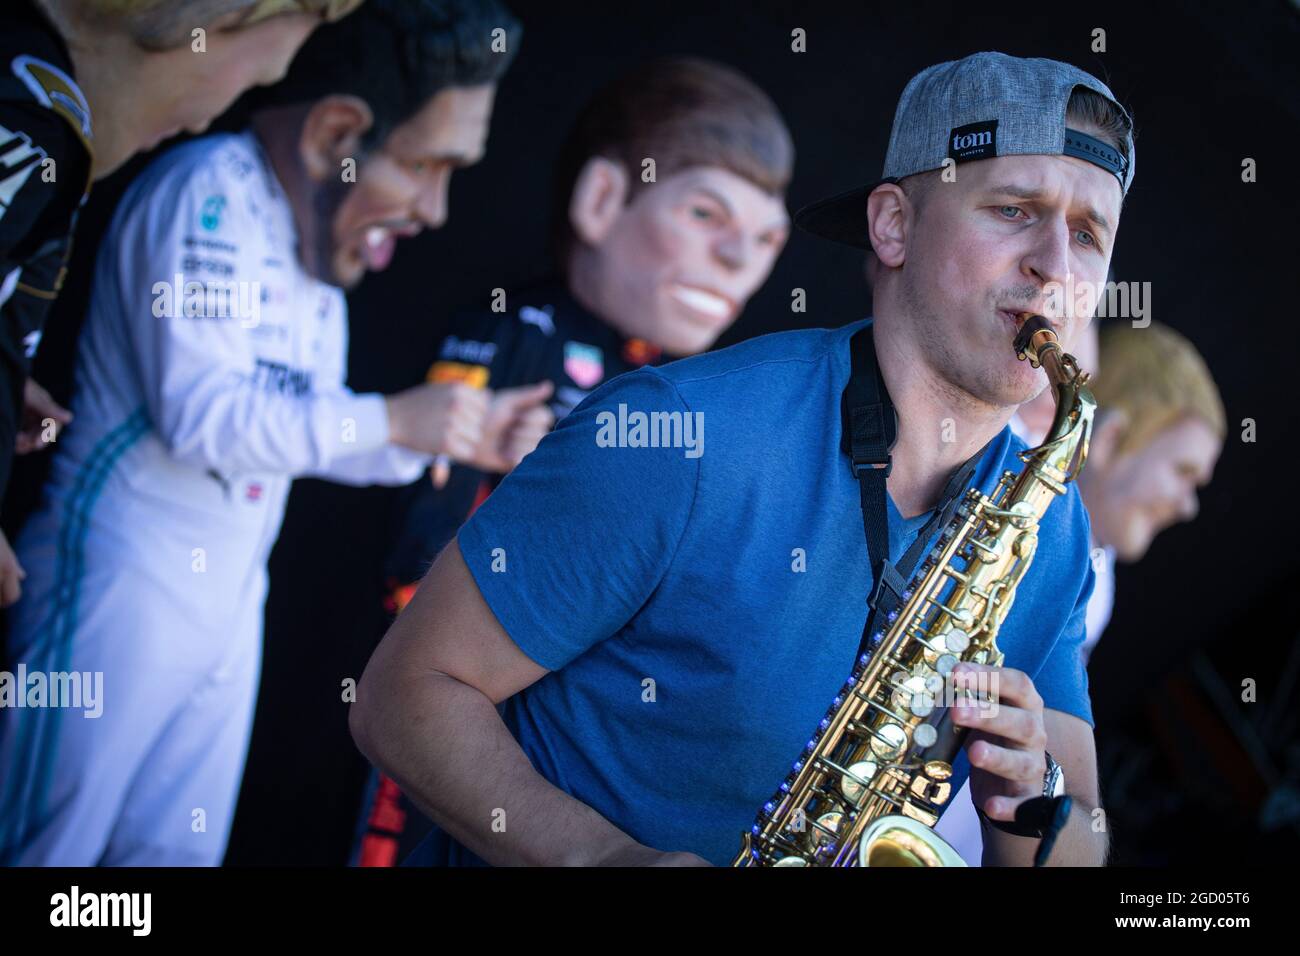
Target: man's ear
(332, 132)
(889, 215)
(1108, 428)
(598, 197)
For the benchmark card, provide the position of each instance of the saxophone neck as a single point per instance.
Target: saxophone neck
(1066, 444)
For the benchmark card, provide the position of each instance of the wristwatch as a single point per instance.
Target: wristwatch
(1039, 810)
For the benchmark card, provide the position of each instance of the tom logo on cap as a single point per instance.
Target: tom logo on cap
(975, 141)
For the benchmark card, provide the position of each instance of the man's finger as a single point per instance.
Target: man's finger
(37, 412)
(10, 589)
(460, 448)
(31, 439)
(1022, 767)
(456, 439)
(999, 718)
(1004, 808)
(494, 462)
(528, 433)
(440, 471)
(40, 401)
(524, 396)
(539, 417)
(466, 429)
(476, 400)
(1004, 683)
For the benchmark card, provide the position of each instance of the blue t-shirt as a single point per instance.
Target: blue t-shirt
(699, 606)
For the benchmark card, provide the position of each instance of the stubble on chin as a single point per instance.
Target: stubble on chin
(970, 378)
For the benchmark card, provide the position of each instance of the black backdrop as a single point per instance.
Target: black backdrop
(1208, 86)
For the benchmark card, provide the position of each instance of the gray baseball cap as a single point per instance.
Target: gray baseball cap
(986, 105)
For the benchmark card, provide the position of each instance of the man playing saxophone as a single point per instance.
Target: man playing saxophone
(665, 621)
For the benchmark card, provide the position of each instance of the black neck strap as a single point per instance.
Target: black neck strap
(870, 429)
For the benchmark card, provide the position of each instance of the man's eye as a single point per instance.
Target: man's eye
(1011, 212)
(1086, 237)
(700, 212)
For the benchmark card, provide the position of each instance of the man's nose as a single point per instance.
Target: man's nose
(431, 203)
(1048, 260)
(732, 250)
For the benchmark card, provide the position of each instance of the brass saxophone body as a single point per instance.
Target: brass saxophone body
(876, 775)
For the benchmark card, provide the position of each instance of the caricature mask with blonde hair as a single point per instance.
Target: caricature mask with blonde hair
(1158, 437)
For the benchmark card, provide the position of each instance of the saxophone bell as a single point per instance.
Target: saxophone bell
(898, 840)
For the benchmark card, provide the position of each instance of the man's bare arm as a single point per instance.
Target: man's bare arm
(1071, 743)
(425, 715)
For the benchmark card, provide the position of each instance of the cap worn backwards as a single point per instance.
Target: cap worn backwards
(979, 107)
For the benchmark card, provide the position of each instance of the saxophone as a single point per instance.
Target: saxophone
(871, 783)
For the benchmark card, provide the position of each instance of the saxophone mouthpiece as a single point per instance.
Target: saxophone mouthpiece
(1035, 332)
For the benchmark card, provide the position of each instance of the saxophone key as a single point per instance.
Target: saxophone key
(946, 663)
(919, 813)
(956, 640)
(914, 696)
(988, 553)
(964, 617)
(826, 829)
(938, 770)
(889, 741)
(956, 575)
(855, 780)
(933, 792)
(1023, 516)
(875, 791)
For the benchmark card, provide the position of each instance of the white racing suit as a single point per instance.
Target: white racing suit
(146, 561)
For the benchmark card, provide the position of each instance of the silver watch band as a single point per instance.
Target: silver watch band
(1053, 778)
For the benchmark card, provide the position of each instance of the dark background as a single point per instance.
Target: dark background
(1189, 772)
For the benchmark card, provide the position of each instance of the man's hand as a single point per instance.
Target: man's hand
(1007, 743)
(445, 418)
(38, 410)
(491, 431)
(517, 419)
(1007, 749)
(11, 574)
